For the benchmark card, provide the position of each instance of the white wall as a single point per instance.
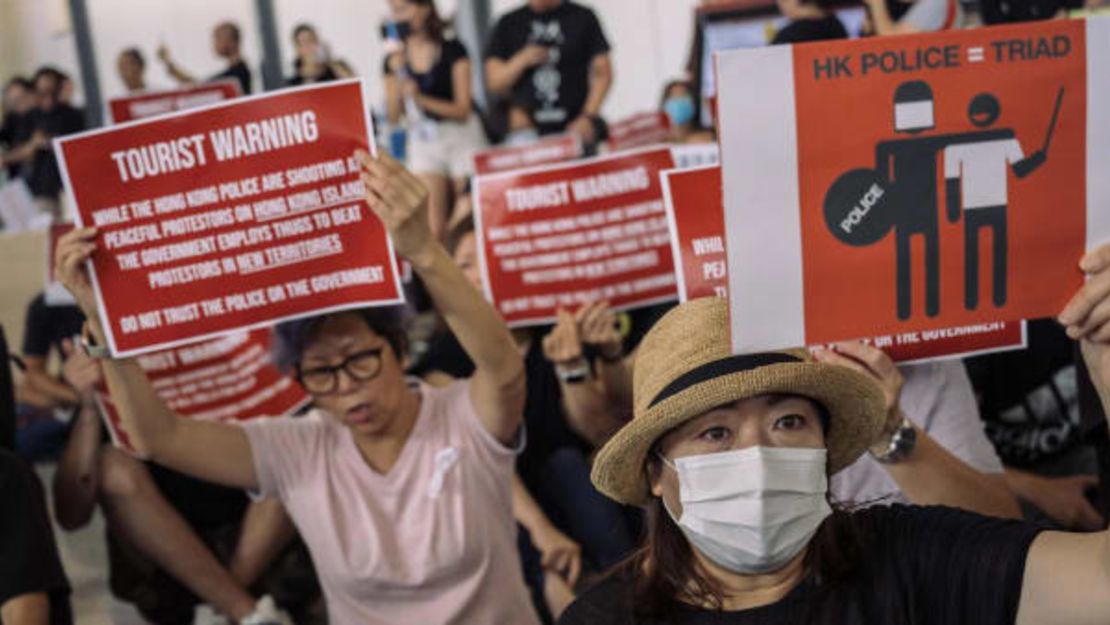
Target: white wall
(650, 38)
(184, 26)
(650, 41)
(35, 33)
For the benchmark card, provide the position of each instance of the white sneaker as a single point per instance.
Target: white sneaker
(205, 614)
(266, 612)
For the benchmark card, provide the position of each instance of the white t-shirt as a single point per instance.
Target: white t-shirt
(937, 396)
(983, 169)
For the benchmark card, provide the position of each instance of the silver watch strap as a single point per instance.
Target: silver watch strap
(901, 445)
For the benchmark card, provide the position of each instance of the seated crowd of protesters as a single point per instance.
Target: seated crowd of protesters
(611, 467)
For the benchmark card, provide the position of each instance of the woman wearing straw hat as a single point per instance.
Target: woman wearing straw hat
(731, 455)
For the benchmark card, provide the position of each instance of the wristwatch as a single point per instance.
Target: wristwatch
(902, 443)
(88, 343)
(573, 372)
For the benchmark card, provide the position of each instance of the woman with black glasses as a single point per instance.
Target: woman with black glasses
(401, 491)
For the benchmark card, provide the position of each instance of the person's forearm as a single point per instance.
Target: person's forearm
(58, 392)
(933, 476)
(525, 509)
(1022, 483)
(880, 18)
(393, 104)
(19, 154)
(76, 481)
(177, 73)
(587, 411)
(26, 609)
(477, 326)
(501, 75)
(446, 109)
(616, 381)
(149, 423)
(601, 79)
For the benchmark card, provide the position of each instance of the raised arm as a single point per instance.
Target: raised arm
(391, 82)
(172, 69)
(583, 400)
(598, 328)
(930, 474)
(210, 451)
(1067, 576)
(497, 387)
(884, 24)
(77, 479)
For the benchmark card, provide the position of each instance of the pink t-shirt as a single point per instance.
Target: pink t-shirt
(432, 541)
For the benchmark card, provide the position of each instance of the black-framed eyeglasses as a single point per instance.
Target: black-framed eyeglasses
(360, 366)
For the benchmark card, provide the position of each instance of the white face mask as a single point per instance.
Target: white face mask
(752, 510)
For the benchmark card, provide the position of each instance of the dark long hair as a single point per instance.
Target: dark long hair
(434, 26)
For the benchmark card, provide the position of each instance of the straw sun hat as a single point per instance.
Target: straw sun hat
(684, 368)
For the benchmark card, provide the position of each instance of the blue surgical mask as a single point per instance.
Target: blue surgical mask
(680, 110)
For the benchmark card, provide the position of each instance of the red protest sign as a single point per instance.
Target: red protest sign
(693, 201)
(230, 217)
(561, 235)
(908, 184)
(231, 378)
(696, 214)
(542, 152)
(639, 130)
(128, 108)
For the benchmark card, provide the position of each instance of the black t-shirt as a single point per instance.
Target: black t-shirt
(46, 326)
(437, 82)
(239, 71)
(1029, 399)
(41, 173)
(14, 132)
(328, 74)
(29, 561)
(820, 29)
(554, 93)
(544, 422)
(920, 566)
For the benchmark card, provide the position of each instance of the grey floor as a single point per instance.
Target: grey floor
(85, 559)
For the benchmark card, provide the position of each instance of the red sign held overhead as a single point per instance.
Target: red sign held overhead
(903, 185)
(128, 108)
(230, 217)
(231, 378)
(591, 230)
(696, 215)
(561, 235)
(547, 150)
(639, 130)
